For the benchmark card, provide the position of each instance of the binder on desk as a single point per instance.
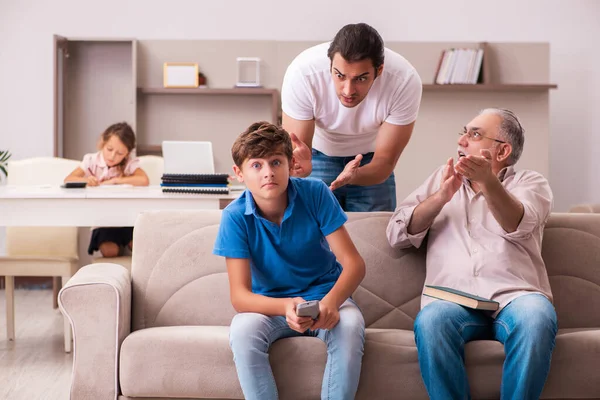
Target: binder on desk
(196, 178)
(195, 183)
(204, 185)
(196, 190)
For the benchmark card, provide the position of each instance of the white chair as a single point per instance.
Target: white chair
(154, 167)
(39, 251)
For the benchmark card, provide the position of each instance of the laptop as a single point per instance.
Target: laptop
(188, 157)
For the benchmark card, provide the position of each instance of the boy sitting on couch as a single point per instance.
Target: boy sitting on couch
(285, 243)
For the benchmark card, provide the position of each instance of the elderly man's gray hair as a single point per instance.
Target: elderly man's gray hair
(511, 130)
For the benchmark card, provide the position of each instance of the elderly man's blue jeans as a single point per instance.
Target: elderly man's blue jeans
(380, 197)
(251, 335)
(527, 327)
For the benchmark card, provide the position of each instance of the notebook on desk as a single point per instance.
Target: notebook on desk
(188, 157)
(216, 179)
(196, 190)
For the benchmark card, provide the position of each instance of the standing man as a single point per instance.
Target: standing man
(349, 117)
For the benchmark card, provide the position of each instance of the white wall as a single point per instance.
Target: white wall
(27, 26)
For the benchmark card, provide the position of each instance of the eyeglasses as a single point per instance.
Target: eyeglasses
(474, 136)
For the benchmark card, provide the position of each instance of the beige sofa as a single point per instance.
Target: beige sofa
(162, 332)
(585, 208)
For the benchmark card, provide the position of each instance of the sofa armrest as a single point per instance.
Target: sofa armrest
(97, 302)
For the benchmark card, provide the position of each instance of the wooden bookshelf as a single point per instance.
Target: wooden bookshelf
(273, 93)
(488, 87)
(212, 91)
(235, 91)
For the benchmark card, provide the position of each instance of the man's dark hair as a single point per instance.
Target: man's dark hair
(357, 42)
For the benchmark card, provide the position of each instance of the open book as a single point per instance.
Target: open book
(462, 298)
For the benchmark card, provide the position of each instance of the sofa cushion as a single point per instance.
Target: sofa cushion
(183, 361)
(574, 372)
(196, 362)
(571, 252)
(174, 272)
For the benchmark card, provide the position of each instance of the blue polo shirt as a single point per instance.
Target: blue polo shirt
(291, 259)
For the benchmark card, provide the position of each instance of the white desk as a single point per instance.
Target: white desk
(94, 206)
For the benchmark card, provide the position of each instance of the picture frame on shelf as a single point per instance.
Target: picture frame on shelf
(180, 75)
(248, 72)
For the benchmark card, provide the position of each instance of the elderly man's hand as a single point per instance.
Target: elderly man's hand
(476, 168)
(451, 181)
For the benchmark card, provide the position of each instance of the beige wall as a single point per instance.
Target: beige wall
(26, 29)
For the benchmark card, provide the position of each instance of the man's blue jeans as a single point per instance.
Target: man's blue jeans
(252, 334)
(526, 326)
(381, 197)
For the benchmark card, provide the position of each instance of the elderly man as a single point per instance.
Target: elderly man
(485, 222)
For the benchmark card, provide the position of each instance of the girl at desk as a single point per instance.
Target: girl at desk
(113, 164)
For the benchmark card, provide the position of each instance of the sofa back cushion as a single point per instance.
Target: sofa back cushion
(571, 252)
(178, 281)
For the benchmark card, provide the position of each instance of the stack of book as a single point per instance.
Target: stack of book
(195, 183)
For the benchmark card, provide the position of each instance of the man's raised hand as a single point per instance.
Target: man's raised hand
(302, 157)
(451, 181)
(347, 174)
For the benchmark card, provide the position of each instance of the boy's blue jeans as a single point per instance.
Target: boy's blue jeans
(252, 334)
(381, 197)
(526, 326)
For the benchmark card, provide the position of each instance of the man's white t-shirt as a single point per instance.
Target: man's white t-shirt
(308, 93)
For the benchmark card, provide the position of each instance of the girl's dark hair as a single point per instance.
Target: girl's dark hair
(125, 134)
(357, 42)
(261, 139)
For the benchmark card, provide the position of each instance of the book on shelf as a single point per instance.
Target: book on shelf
(462, 298)
(459, 66)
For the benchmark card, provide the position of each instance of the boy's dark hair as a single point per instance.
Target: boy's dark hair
(357, 42)
(261, 139)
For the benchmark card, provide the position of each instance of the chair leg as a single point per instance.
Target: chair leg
(55, 289)
(67, 324)
(10, 307)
